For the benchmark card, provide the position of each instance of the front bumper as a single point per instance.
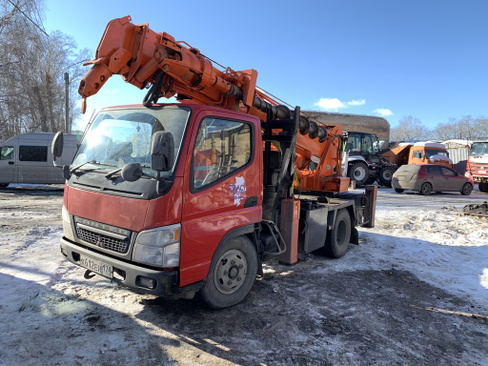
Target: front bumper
(163, 283)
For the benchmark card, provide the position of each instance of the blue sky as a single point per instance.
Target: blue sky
(390, 58)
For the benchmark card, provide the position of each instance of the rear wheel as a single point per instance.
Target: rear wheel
(385, 175)
(426, 189)
(467, 189)
(337, 242)
(232, 273)
(3, 185)
(358, 172)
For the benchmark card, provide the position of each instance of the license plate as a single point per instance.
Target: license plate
(96, 266)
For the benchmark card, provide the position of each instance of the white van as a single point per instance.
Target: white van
(27, 158)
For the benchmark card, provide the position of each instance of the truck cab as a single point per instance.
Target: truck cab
(477, 165)
(429, 153)
(129, 225)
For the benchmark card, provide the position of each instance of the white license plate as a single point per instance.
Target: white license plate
(96, 266)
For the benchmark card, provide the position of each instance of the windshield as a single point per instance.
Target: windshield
(431, 152)
(118, 137)
(479, 149)
(362, 143)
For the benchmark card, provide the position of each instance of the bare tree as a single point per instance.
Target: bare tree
(465, 128)
(409, 129)
(32, 86)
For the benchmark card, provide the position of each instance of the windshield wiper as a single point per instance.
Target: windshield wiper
(74, 169)
(109, 174)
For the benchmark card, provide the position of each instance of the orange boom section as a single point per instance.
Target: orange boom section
(170, 68)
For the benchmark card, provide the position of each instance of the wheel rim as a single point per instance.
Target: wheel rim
(387, 174)
(359, 173)
(426, 188)
(230, 272)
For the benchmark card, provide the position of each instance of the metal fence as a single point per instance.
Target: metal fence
(459, 159)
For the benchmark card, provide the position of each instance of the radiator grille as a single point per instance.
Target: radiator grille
(89, 232)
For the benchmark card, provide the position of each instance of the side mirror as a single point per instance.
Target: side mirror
(57, 146)
(131, 172)
(162, 151)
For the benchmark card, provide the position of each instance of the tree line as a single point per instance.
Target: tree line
(33, 66)
(466, 128)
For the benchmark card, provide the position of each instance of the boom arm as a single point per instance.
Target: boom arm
(146, 58)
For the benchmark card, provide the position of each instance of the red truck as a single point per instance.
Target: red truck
(477, 165)
(175, 199)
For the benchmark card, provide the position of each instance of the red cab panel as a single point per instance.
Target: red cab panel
(222, 189)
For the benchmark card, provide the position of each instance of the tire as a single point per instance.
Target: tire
(467, 189)
(232, 273)
(3, 185)
(385, 175)
(483, 187)
(337, 242)
(426, 189)
(358, 172)
(399, 190)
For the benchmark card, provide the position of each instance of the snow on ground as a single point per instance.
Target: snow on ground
(51, 314)
(440, 246)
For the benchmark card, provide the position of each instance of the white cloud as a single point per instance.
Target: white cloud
(328, 103)
(335, 104)
(383, 112)
(357, 102)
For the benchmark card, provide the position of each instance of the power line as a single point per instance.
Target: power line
(16, 7)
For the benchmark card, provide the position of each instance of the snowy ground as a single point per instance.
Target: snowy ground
(415, 291)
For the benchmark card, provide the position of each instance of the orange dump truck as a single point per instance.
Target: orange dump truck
(419, 153)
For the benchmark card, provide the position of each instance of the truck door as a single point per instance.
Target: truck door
(32, 165)
(221, 192)
(7, 164)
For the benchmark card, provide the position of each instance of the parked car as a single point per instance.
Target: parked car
(426, 178)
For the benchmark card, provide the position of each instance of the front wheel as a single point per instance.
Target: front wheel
(232, 273)
(483, 186)
(467, 189)
(3, 185)
(426, 189)
(399, 190)
(358, 172)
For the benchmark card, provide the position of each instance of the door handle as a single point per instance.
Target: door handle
(11, 163)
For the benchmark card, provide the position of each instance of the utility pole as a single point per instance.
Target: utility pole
(66, 85)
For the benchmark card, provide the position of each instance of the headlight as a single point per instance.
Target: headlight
(65, 215)
(68, 230)
(158, 247)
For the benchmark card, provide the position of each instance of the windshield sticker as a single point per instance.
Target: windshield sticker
(238, 190)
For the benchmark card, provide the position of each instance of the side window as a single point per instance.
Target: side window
(418, 154)
(448, 172)
(368, 145)
(7, 153)
(353, 143)
(434, 169)
(222, 146)
(33, 153)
